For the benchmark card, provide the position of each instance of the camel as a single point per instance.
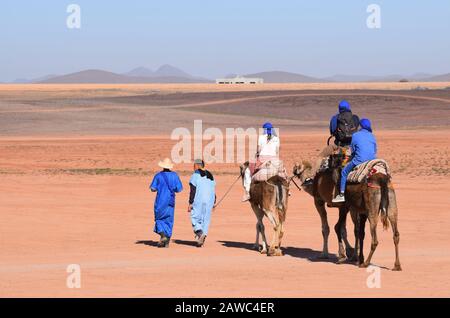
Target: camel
(366, 200)
(269, 198)
(322, 192)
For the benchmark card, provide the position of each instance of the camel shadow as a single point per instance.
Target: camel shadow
(308, 254)
(148, 243)
(298, 252)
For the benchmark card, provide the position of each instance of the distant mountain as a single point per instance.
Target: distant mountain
(169, 70)
(170, 74)
(43, 78)
(349, 78)
(284, 77)
(88, 76)
(165, 71)
(20, 81)
(372, 78)
(104, 77)
(420, 76)
(140, 72)
(34, 80)
(438, 78)
(390, 78)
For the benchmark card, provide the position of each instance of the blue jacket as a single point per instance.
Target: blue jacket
(333, 124)
(364, 147)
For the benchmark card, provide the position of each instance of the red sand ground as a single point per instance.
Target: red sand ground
(52, 217)
(74, 190)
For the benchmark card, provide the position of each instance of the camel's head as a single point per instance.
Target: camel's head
(300, 168)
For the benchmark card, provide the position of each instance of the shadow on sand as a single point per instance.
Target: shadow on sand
(183, 242)
(298, 252)
(148, 243)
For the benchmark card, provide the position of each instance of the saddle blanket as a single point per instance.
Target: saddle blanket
(268, 169)
(367, 169)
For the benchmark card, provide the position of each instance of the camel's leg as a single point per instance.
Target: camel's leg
(260, 229)
(355, 219)
(320, 207)
(281, 233)
(392, 215)
(349, 251)
(397, 266)
(362, 234)
(338, 229)
(274, 248)
(277, 240)
(373, 220)
(256, 245)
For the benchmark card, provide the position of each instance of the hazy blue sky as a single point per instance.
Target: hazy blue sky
(214, 38)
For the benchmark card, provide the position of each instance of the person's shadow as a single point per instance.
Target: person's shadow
(155, 244)
(148, 243)
(184, 242)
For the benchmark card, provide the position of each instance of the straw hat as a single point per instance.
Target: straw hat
(166, 164)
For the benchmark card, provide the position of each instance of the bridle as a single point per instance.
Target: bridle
(291, 179)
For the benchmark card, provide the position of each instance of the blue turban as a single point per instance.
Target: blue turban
(365, 124)
(268, 128)
(344, 106)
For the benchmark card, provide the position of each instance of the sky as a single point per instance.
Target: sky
(215, 38)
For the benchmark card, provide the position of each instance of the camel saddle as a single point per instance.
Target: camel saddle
(367, 169)
(269, 169)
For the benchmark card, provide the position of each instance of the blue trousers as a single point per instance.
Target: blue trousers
(344, 174)
(201, 217)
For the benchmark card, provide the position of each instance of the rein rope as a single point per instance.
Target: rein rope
(228, 191)
(291, 179)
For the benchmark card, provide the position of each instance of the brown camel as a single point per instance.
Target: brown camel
(366, 200)
(269, 198)
(322, 192)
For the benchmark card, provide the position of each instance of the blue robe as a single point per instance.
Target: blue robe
(164, 203)
(203, 204)
(364, 148)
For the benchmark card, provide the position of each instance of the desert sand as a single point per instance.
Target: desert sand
(75, 167)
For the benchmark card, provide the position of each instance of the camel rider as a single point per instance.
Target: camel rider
(268, 149)
(342, 127)
(364, 148)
